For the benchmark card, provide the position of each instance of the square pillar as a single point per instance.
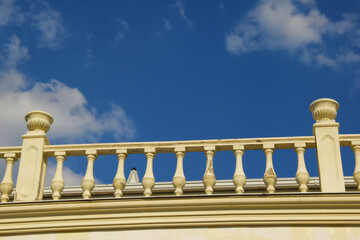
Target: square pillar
(326, 132)
(33, 163)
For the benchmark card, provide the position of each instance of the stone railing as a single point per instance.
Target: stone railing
(36, 149)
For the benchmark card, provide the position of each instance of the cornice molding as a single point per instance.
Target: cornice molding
(308, 209)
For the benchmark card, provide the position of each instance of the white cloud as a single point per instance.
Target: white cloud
(298, 28)
(9, 13)
(49, 23)
(73, 118)
(181, 7)
(167, 24)
(295, 26)
(278, 25)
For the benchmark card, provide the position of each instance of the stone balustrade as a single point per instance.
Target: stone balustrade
(36, 149)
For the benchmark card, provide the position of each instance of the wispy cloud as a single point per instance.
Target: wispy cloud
(9, 13)
(14, 53)
(297, 27)
(49, 23)
(43, 18)
(181, 7)
(167, 24)
(122, 29)
(89, 58)
(74, 118)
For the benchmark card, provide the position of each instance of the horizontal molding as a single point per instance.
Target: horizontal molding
(180, 212)
(255, 186)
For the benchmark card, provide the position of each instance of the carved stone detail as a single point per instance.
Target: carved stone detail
(356, 149)
(179, 179)
(119, 182)
(148, 180)
(302, 175)
(38, 120)
(88, 183)
(239, 177)
(270, 177)
(209, 178)
(57, 184)
(6, 186)
(324, 109)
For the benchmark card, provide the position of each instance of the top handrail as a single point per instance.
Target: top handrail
(190, 145)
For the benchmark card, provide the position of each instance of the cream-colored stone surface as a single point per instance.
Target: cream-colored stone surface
(119, 181)
(179, 179)
(57, 184)
(88, 182)
(209, 178)
(251, 215)
(32, 169)
(148, 180)
(270, 177)
(355, 145)
(246, 233)
(7, 185)
(326, 132)
(239, 177)
(302, 175)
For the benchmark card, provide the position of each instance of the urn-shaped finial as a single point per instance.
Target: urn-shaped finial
(38, 120)
(324, 109)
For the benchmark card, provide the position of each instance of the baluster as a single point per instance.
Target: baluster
(209, 178)
(239, 177)
(119, 180)
(270, 177)
(148, 180)
(7, 185)
(356, 148)
(88, 183)
(302, 175)
(179, 179)
(57, 184)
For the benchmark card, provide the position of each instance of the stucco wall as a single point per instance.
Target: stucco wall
(249, 233)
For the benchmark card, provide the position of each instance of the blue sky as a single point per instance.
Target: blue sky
(178, 70)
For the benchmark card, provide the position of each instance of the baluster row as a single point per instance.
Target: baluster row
(179, 180)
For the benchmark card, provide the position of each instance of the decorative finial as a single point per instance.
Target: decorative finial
(38, 120)
(324, 109)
